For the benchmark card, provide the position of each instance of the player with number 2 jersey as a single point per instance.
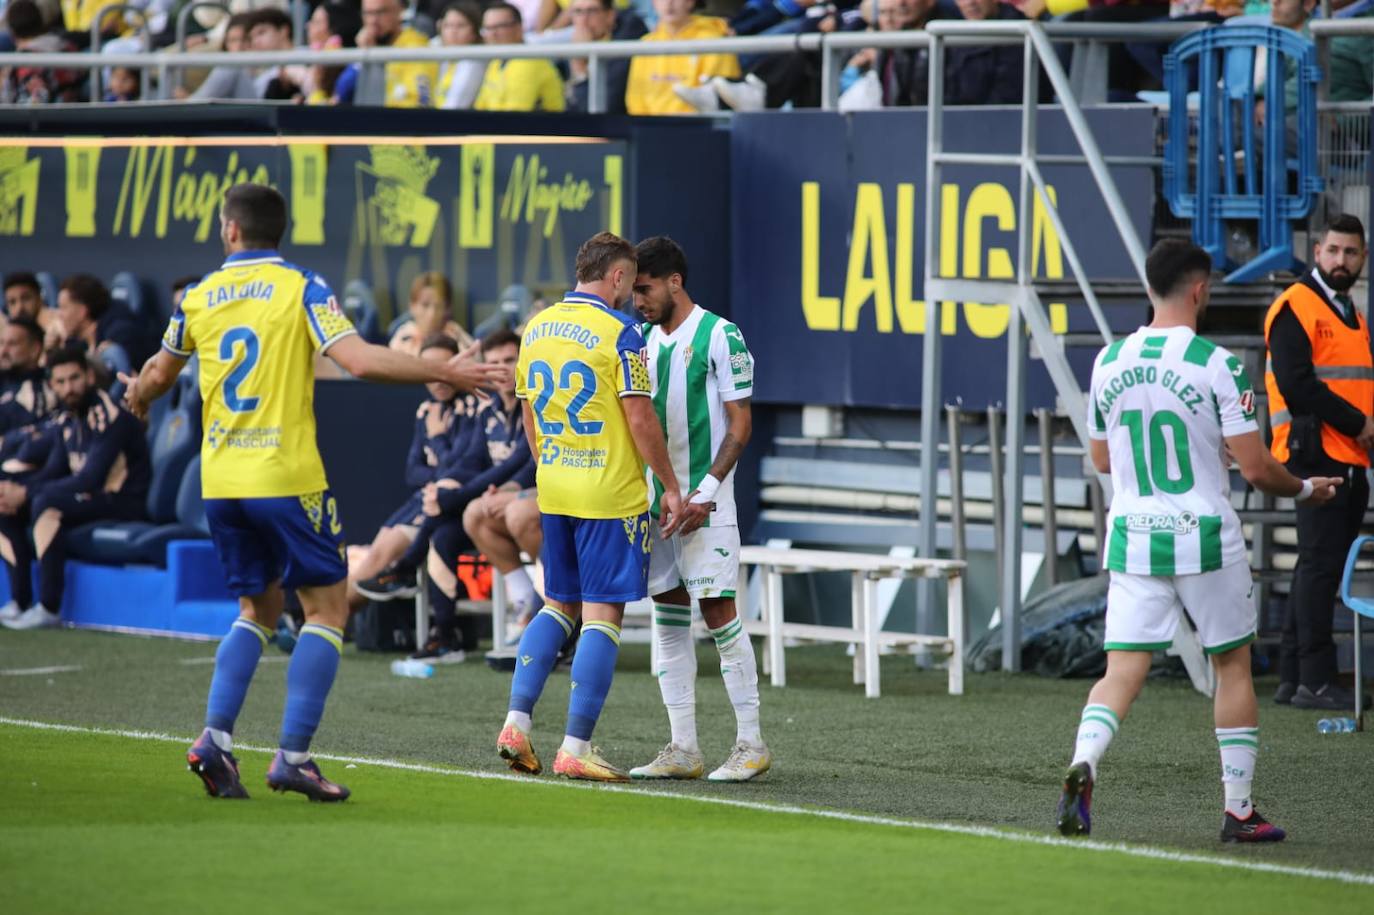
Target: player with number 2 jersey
(256, 325)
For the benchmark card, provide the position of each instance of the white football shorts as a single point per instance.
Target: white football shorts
(705, 562)
(1142, 610)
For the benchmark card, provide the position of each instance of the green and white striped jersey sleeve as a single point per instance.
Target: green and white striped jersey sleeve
(1232, 393)
(731, 363)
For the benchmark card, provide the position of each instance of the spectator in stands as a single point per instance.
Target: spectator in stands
(1150, 55)
(231, 82)
(96, 469)
(556, 15)
(36, 85)
(125, 85)
(515, 85)
(460, 80)
(903, 73)
(1125, 77)
(408, 85)
(990, 74)
(87, 317)
(271, 30)
(25, 399)
(654, 80)
(333, 25)
(431, 312)
(443, 426)
(599, 20)
(78, 15)
(775, 80)
(503, 523)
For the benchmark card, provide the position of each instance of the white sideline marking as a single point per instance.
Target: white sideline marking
(210, 659)
(38, 671)
(987, 832)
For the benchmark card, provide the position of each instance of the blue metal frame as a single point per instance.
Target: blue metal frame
(1227, 92)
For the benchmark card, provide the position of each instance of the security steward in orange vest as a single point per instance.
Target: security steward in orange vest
(1320, 381)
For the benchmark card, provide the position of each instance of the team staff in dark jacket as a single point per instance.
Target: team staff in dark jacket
(1320, 383)
(25, 399)
(444, 424)
(95, 467)
(500, 451)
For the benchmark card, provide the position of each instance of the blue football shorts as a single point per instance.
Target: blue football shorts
(603, 560)
(297, 539)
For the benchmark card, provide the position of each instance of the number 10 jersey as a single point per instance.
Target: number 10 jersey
(576, 359)
(1164, 400)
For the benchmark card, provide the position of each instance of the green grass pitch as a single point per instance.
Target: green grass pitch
(93, 822)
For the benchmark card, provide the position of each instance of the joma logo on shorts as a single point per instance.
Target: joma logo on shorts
(1178, 524)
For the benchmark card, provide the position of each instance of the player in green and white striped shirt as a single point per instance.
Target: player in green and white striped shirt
(703, 377)
(1166, 407)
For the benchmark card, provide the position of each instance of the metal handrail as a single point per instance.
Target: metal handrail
(829, 45)
(100, 16)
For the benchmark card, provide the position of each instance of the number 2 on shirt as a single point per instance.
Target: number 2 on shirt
(575, 373)
(235, 401)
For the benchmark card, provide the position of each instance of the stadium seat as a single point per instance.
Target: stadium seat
(117, 361)
(361, 308)
(173, 515)
(126, 288)
(48, 283)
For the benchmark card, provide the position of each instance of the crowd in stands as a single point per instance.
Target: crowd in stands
(667, 84)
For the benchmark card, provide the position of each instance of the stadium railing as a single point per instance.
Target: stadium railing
(1088, 76)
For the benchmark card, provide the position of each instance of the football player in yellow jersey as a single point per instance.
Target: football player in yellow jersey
(592, 427)
(256, 324)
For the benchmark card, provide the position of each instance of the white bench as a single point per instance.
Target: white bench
(866, 570)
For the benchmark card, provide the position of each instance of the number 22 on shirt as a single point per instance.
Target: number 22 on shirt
(576, 376)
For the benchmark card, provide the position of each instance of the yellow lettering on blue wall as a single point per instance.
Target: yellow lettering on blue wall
(870, 237)
(887, 278)
(988, 201)
(821, 312)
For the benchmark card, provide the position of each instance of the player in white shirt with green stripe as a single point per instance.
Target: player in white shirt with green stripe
(1166, 407)
(703, 377)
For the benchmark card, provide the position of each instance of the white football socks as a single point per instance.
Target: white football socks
(1096, 729)
(677, 672)
(740, 671)
(1239, 747)
(520, 588)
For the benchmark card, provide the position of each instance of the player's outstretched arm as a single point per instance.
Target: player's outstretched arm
(378, 363)
(648, 438)
(1265, 473)
(156, 378)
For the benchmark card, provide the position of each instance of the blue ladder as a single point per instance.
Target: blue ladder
(1215, 191)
